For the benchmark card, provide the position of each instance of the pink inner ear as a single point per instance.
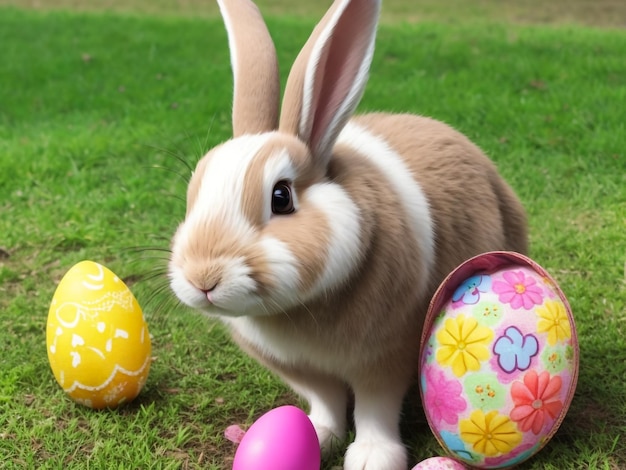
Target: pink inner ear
(339, 67)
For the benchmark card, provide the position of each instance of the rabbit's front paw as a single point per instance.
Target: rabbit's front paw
(380, 455)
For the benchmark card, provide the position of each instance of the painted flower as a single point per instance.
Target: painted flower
(469, 291)
(463, 344)
(554, 321)
(514, 350)
(484, 391)
(518, 290)
(516, 456)
(554, 359)
(488, 313)
(536, 400)
(455, 445)
(443, 397)
(490, 434)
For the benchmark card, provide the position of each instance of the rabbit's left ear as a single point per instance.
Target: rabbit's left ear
(329, 75)
(255, 68)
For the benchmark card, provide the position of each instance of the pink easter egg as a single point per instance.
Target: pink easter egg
(282, 439)
(439, 463)
(499, 360)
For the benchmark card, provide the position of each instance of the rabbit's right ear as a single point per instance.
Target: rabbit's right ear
(255, 68)
(329, 75)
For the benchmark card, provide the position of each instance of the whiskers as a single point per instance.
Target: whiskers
(149, 262)
(149, 267)
(272, 306)
(275, 307)
(199, 147)
(306, 308)
(277, 296)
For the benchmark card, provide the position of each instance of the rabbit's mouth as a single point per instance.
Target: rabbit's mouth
(231, 293)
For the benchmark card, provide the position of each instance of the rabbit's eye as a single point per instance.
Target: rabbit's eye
(282, 202)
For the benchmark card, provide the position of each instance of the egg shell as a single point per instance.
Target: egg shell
(439, 463)
(499, 360)
(97, 339)
(282, 439)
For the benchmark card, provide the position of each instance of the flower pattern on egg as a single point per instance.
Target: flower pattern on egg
(515, 350)
(518, 290)
(463, 344)
(490, 434)
(536, 400)
(554, 321)
(485, 392)
(504, 331)
(469, 291)
(444, 398)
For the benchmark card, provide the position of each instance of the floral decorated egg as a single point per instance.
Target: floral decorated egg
(499, 360)
(97, 339)
(439, 463)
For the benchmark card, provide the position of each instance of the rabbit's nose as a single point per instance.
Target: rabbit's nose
(208, 292)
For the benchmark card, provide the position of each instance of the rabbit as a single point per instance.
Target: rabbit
(319, 237)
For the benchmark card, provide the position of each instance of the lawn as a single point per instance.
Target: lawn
(102, 112)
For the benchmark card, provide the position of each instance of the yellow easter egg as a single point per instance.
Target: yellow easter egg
(97, 339)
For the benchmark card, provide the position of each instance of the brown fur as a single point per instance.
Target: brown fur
(278, 144)
(364, 332)
(474, 210)
(257, 89)
(195, 182)
(375, 310)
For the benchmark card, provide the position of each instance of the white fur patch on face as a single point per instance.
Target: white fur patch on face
(184, 290)
(410, 194)
(218, 208)
(234, 296)
(344, 251)
(221, 191)
(284, 270)
(236, 292)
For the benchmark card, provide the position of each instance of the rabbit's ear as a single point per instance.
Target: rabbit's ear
(255, 68)
(329, 75)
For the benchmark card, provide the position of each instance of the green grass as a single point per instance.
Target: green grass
(607, 13)
(97, 109)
